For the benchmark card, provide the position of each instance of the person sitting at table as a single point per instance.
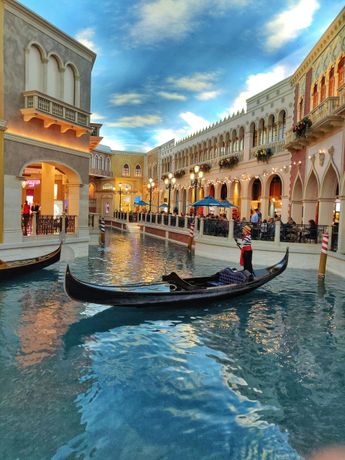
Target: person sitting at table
(311, 231)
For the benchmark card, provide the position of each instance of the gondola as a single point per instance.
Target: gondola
(172, 290)
(13, 268)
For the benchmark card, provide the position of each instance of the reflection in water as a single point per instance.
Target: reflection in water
(258, 377)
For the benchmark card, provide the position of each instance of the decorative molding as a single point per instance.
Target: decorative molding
(321, 45)
(3, 125)
(25, 140)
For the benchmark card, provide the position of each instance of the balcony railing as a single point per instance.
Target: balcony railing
(275, 147)
(100, 172)
(48, 225)
(53, 111)
(324, 117)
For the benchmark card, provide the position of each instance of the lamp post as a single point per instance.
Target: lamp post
(120, 193)
(150, 186)
(196, 179)
(169, 184)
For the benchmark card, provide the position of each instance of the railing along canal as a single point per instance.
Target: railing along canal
(220, 227)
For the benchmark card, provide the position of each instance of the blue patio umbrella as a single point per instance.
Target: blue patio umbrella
(207, 201)
(227, 204)
(141, 203)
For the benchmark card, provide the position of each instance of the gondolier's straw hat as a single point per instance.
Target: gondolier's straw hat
(247, 229)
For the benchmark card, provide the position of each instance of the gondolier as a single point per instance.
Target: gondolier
(246, 249)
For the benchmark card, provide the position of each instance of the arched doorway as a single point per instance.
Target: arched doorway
(224, 192)
(52, 190)
(212, 190)
(256, 195)
(310, 208)
(329, 198)
(275, 197)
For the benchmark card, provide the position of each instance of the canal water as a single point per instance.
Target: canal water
(258, 377)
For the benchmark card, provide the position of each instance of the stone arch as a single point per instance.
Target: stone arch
(224, 192)
(275, 192)
(281, 124)
(55, 187)
(72, 84)
(329, 192)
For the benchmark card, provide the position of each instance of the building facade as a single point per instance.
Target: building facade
(45, 83)
(316, 141)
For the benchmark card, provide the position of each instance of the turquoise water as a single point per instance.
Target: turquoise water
(259, 377)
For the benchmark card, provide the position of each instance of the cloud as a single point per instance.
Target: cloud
(172, 96)
(137, 121)
(287, 25)
(255, 84)
(197, 82)
(85, 37)
(113, 143)
(158, 20)
(127, 99)
(207, 95)
(194, 122)
(95, 117)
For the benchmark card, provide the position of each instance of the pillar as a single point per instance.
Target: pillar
(285, 208)
(326, 207)
(2, 122)
(47, 189)
(341, 228)
(309, 207)
(264, 208)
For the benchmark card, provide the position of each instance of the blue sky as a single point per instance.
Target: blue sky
(167, 68)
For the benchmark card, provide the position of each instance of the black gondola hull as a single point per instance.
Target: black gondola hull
(119, 296)
(12, 269)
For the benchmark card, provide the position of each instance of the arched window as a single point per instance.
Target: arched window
(341, 71)
(254, 135)
(271, 129)
(125, 170)
(262, 132)
(53, 78)
(323, 89)
(35, 70)
(315, 96)
(69, 84)
(282, 125)
(137, 171)
(241, 139)
(331, 83)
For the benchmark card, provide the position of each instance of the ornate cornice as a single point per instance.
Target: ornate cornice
(3, 125)
(332, 31)
(44, 26)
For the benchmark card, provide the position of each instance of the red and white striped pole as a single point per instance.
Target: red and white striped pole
(323, 255)
(191, 234)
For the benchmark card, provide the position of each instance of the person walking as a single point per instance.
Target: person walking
(26, 217)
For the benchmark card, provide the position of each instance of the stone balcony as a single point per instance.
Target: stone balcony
(275, 147)
(100, 172)
(325, 117)
(54, 112)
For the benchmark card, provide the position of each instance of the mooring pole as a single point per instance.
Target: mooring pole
(323, 256)
(102, 230)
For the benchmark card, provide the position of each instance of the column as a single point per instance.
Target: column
(326, 206)
(341, 228)
(264, 206)
(285, 209)
(47, 189)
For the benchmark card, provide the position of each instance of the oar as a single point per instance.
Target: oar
(237, 243)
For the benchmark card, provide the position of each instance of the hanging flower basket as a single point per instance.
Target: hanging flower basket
(302, 127)
(263, 154)
(180, 173)
(228, 163)
(205, 167)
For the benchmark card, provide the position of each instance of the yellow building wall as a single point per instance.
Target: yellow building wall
(1, 118)
(134, 184)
